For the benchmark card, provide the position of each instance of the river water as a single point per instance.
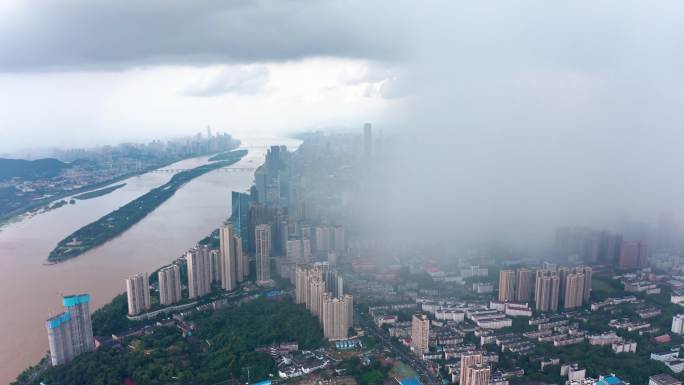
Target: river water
(31, 291)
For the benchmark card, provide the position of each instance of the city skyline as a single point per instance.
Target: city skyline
(339, 270)
(341, 193)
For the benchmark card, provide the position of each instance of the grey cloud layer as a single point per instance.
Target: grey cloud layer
(534, 114)
(73, 35)
(524, 114)
(239, 81)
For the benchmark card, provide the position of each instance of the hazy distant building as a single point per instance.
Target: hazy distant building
(301, 284)
(524, 283)
(138, 293)
(546, 265)
(587, 271)
(609, 247)
(470, 360)
(332, 258)
(506, 285)
(420, 333)
(334, 283)
(574, 290)
(169, 285)
(78, 307)
(322, 240)
(199, 273)
(298, 250)
(588, 245)
(547, 289)
(339, 244)
(633, 255)
(262, 237)
(316, 290)
(562, 272)
(367, 140)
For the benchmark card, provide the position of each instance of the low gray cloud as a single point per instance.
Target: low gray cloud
(231, 80)
(80, 34)
(532, 114)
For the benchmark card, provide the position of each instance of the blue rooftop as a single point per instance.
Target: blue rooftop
(58, 320)
(409, 381)
(267, 382)
(73, 300)
(610, 380)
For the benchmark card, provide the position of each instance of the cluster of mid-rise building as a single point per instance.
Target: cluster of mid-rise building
(227, 266)
(551, 285)
(70, 333)
(321, 289)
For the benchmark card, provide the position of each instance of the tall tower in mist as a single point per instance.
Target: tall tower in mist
(633, 255)
(367, 140)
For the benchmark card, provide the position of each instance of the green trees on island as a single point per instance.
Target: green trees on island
(228, 155)
(115, 223)
(100, 192)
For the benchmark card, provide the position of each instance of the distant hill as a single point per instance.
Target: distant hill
(30, 169)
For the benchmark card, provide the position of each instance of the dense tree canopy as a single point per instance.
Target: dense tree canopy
(222, 348)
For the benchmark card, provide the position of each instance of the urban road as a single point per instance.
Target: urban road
(416, 364)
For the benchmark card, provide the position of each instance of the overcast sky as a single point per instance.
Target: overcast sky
(528, 115)
(519, 108)
(78, 73)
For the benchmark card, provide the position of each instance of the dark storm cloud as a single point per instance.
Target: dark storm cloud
(73, 35)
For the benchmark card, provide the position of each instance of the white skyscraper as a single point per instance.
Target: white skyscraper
(229, 258)
(169, 285)
(678, 324)
(420, 333)
(470, 360)
(81, 326)
(138, 292)
(70, 333)
(242, 268)
(215, 257)
(59, 339)
(263, 244)
(199, 273)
